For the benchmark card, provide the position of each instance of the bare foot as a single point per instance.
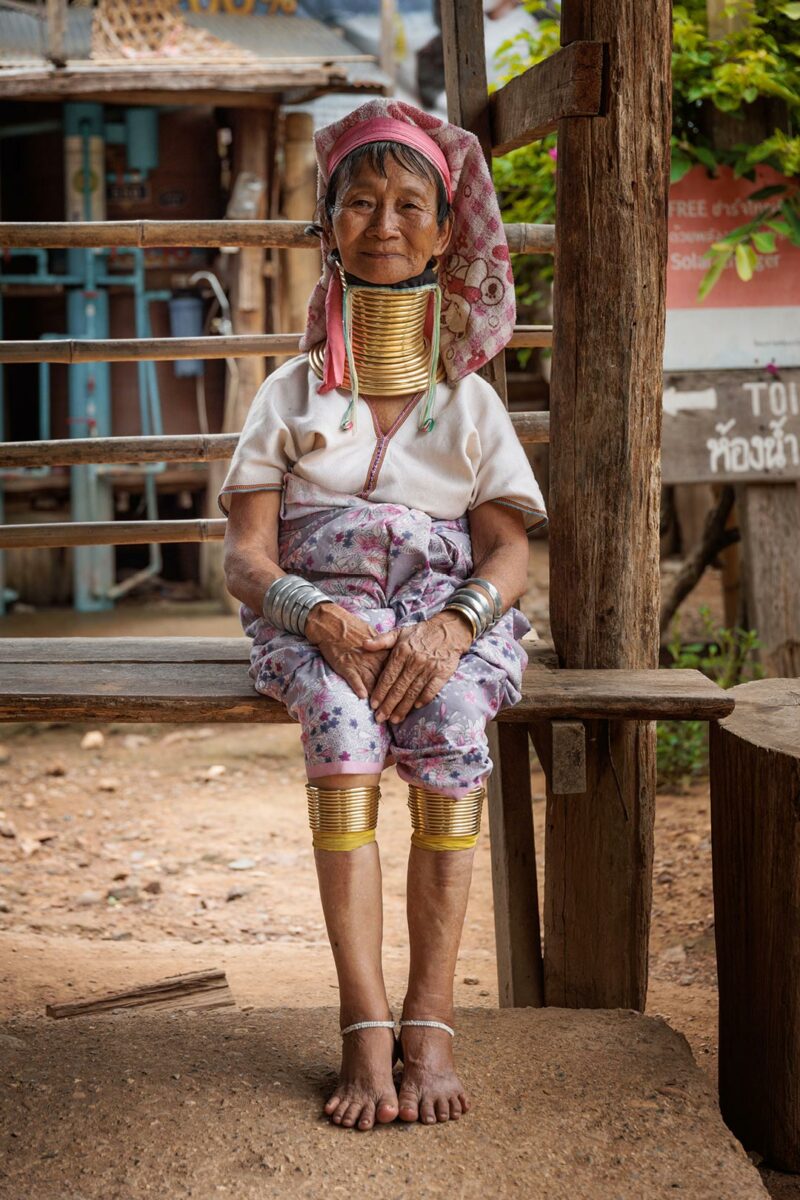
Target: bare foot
(365, 1092)
(430, 1090)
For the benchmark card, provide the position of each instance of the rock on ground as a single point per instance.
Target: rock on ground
(567, 1105)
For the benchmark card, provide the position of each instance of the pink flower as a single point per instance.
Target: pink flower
(553, 152)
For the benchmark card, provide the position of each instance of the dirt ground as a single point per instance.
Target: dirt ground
(160, 849)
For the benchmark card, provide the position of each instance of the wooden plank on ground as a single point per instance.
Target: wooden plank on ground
(195, 989)
(568, 84)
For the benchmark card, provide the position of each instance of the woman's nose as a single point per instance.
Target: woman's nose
(384, 221)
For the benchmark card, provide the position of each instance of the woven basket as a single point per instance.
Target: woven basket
(143, 30)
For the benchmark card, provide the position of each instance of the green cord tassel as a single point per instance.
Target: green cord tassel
(427, 421)
(350, 418)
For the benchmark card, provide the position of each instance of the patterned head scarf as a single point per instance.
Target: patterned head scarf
(478, 306)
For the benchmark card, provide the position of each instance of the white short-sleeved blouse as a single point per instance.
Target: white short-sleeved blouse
(470, 456)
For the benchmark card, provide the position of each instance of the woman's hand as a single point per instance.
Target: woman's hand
(340, 637)
(420, 664)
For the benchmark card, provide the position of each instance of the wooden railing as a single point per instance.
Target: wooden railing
(530, 427)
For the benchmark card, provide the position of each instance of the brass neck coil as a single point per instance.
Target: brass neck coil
(391, 353)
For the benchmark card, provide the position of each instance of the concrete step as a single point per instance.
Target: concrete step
(579, 1105)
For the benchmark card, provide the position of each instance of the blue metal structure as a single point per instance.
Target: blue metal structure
(86, 281)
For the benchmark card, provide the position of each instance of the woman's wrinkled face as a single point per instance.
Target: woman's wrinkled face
(385, 226)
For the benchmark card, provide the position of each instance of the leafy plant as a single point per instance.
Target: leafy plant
(727, 657)
(758, 60)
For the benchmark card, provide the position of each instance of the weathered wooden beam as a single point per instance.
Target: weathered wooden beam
(611, 204)
(286, 235)
(244, 345)
(770, 518)
(568, 769)
(568, 84)
(109, 678)
(531, 429)
(520, 974)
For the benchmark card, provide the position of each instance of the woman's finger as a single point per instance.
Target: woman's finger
(392, 669)
(413, 690)
(397, 692)
(381, 641)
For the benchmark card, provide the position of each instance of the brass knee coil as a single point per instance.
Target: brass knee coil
(342, 818)
(444, 822)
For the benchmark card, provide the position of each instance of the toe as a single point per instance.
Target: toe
(367, 1118)
(387, 1109)
(426, 1111)
(409, 1105)
(337, 1115)
(464, 1102)
(351, 1114)
(332, 1104)
(442, 1109)
(455, 1108)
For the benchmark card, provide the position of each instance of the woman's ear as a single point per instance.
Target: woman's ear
(443, 236)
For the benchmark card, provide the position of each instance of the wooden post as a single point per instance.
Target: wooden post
(516, 907)
(468, 104)
(755, 786)
(251, 143)
(770, 518)
(299, 272)
(605, 401)
(388, 20)
(56, 29)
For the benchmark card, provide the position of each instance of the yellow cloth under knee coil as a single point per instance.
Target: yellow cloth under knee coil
(444, 822)
(342, 818)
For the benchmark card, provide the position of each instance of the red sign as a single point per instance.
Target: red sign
(701, 211)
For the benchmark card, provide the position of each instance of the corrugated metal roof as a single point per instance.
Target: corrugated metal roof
(23, 35)
(273, 38)
(278, 36)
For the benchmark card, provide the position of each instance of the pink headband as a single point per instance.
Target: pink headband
(387, 129)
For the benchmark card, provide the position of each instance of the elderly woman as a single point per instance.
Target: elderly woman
(379, 505)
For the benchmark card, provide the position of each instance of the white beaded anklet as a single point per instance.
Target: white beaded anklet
(430, 1025)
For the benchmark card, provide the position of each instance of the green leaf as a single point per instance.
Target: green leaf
(774, 189)
(712, 274)
(745, 262)
(792, 220)
(705, 156)
(764, 242)
(792, 11)
(679, 166)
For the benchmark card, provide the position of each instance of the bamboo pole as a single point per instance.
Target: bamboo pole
(522, 238)
(532, 428)
(110, 533)
(247, 345)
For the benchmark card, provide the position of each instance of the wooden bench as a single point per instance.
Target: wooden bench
(175, 679)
